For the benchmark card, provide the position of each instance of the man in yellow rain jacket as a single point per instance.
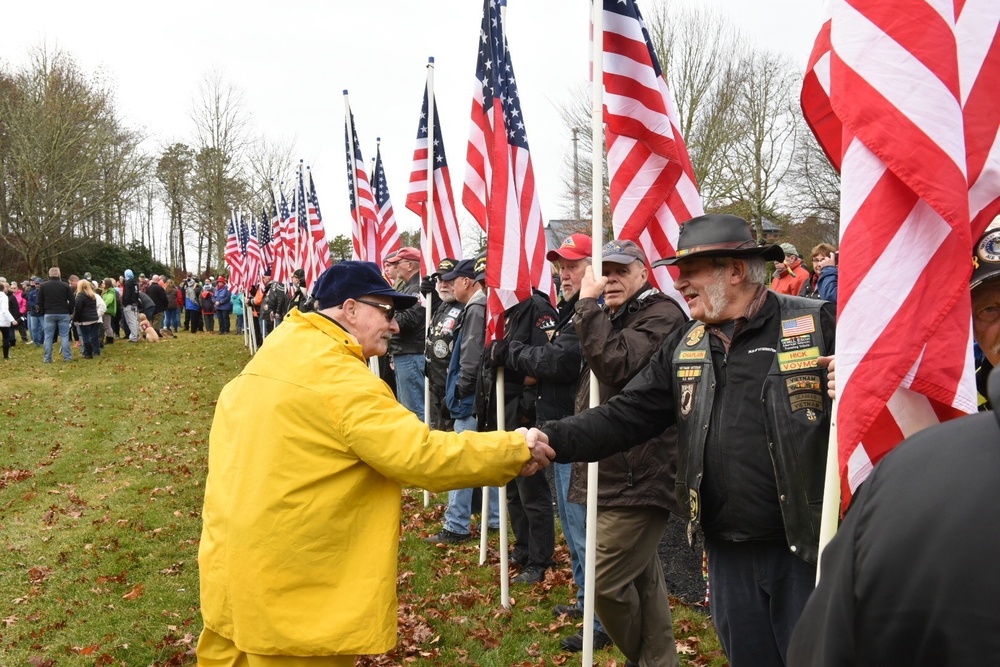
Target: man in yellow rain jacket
(307, 456)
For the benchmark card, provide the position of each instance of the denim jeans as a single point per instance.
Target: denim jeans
(759, 589)
(456, 516)
(573, 517)
(90, 334)
(172, 319)
(224, 321)
(410, 382)
(36, 327)
(57, 324)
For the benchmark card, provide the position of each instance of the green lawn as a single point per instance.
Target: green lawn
(103, 466)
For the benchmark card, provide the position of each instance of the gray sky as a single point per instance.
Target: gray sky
(293, 60)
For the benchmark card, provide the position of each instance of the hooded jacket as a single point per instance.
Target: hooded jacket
(299, 547)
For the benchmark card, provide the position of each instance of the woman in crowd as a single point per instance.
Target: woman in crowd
(8, 319)
(172, 316)
(22, 308)
(110, 298)
(238, 309)
(208, 306)
(86, 316)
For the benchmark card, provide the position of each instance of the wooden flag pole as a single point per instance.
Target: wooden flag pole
(830, 517)
(504, 564)
(596, 232)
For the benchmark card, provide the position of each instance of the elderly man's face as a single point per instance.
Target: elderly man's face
(705, 288)
(446, 290)
(624, 280)
(986, 319)
(372, 326)
(571, 275)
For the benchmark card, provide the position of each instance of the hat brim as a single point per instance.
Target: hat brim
(771, 253)
(400, 301)
(451, 275)
(569, 254)
(620, 258)
(985, 278)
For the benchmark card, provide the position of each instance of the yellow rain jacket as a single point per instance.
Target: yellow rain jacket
(307, 456)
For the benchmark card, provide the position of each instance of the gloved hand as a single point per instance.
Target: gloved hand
(427, 285)
(496, 354)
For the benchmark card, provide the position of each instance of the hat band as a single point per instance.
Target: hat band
(731, 245)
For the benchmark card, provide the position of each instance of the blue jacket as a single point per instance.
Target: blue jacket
(826, 285)
(223, 298)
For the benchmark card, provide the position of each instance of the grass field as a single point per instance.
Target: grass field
(101, 482)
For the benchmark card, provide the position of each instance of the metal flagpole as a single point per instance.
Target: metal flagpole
(303, 207)
(596, 232)
(429, 235)
(504, 564)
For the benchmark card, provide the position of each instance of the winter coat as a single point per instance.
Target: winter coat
(208, 301)
(237, 301)
(110, 302)
(6, 318)
(304, 561)
(223, 299)
(85, 310)
(826, 285)
(173, 303)
(410, 339)
(130, 293)
(275, 300)
(156, 292)
(617, 347)
(786, 283)
(55, 297)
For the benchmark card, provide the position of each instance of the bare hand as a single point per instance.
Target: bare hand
(541, 453)
(591, 287)
(828, 363)
(823, 262)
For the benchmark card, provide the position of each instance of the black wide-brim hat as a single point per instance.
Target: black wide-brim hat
(720, 235)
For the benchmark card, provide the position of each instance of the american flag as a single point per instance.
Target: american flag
(254, 259)
(499, 187)
(243, 234)
(317, 232)
(388, 232)
(277, 244)
(304, 246)
(233, 256)
(285, 240)
(364, 233)
(902, 95)
(265, 237)
(445, 234)
(653, 188)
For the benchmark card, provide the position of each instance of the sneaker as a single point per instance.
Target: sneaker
(531, 574)
(569, 610)
(517, 560)
(445, 536)
(574, 643)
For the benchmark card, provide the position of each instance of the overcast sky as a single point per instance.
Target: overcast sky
(292, 61)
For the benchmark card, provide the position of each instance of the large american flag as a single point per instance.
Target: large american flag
(285, 240)
(277, 244)
(266, 238)
(445, 233)
(233, 256)
(499, 187)
(363, 232)
(317, 233)
(902, 96)
(653, 187)
(254, 258)
(388, 231)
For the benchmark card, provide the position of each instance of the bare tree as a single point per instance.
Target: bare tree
(221, 130)
(766, 111)
(174, 171)
(268, 164)
(68, 162)
(814, 186)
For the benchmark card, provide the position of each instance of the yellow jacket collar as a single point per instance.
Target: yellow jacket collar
(330, 328)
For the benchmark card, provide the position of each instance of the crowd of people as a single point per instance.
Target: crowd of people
(87, 314)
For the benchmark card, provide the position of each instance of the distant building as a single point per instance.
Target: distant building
(557, 231)
(770, 230)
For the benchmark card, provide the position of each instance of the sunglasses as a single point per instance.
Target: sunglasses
(387, 309)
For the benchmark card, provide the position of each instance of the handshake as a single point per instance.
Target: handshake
(541, 453)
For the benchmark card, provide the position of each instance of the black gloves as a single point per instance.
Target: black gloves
(496, 354)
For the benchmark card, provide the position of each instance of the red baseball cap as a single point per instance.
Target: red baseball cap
(576, 246)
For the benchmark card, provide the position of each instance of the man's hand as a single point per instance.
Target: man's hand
(541, 453)
(831, 384)
(591, 287)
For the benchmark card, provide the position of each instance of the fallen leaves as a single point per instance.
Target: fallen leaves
(135, 593)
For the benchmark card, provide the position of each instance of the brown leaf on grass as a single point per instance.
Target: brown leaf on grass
(85, 650)
(41, 661)
(135, 593)
(120, 578)
(103, 660)
(9, 621)
(39, 573)
(12, 475)
(173, 570)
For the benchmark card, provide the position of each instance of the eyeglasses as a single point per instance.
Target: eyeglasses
(387, 309)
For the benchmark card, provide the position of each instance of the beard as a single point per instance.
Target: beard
(716, 301)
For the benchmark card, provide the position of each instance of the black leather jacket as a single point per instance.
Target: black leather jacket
(410, 339)
(720, 409)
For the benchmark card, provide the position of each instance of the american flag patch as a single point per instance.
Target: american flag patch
(798, 326)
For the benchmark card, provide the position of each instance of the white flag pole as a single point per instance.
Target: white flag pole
(830, 516)
(504, 565)
(428, 244)
(597, 231)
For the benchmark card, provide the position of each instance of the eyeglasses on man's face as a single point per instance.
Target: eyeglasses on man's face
(387, 309)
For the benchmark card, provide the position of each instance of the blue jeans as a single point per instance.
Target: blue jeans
(90, 334)
(573, 517)
(456, 517)
(172, 319)
(223, 317)
(410, 382)
(759, 589)
(57, 324)
(36, 327)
